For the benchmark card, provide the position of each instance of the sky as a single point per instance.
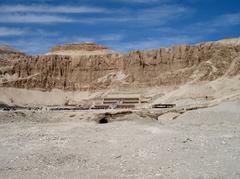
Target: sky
(33, 26)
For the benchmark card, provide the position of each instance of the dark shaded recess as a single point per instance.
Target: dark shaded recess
(103, 121)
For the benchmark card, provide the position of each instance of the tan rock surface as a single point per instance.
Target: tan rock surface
(8, 58)
(79, 49)
(161, 67)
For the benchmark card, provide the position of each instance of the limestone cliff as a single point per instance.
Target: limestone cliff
(8, 58)
(167, 66)
(79, 49)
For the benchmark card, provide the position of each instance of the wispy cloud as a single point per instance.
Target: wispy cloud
(5, 31)
(45, 14)
(147, 26)
(214, 25)
(162, 14)
(50, 9)
(66, 14)
(200, 29)
(34, 18)
(227, 20)
(144, 17)
(143, 1)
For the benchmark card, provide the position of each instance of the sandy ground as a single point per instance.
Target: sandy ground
(204, 143)
(189, 94)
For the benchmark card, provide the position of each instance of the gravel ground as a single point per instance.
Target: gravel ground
(198, 144)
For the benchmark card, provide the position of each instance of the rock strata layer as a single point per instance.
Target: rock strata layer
(79, 49)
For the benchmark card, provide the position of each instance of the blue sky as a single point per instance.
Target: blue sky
(35, 25)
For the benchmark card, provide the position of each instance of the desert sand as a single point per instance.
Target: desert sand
(202, 143)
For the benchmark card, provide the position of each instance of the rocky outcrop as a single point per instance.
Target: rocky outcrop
(81, 46)
(8, 58)
(9, 54)
(167, 66)
(79, 49)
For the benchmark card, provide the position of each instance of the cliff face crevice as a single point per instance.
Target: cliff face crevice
(168, 66)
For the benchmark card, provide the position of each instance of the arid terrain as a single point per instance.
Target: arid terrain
(85, 111)
(204, 143)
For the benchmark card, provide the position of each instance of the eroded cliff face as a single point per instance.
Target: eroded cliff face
(8, 58)
(8, 54)
(168, 66)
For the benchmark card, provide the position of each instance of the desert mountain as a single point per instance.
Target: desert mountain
(87, 70)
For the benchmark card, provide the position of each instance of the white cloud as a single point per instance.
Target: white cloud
(54, 14)
(5, 31)
(143, 17)
(34, 18)
(49, 9)
(227, 20)
(162, 14)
